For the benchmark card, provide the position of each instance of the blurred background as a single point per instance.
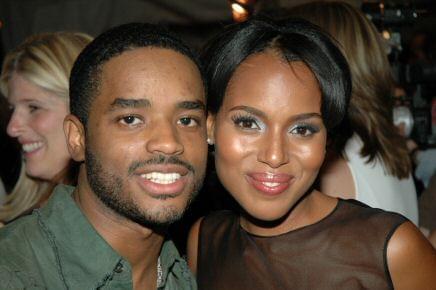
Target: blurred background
(408, 27)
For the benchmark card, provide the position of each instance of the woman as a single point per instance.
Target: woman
(368, 159)
(35, 79)
(276, 89)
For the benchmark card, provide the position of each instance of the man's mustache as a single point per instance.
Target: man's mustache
(160, 159)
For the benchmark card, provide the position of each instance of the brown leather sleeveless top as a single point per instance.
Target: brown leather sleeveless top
(345, 250)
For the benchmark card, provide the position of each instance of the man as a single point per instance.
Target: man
(137, 124)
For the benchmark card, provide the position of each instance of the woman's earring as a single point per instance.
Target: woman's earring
(209, 141)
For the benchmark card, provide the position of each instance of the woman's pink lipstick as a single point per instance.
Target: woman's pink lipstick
(268, 183)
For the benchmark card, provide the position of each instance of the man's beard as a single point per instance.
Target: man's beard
(109, 188)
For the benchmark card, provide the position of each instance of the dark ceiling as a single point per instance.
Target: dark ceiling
(195, 20)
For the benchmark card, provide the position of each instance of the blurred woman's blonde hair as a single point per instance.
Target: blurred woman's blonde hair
(45, 60)
(370, 110)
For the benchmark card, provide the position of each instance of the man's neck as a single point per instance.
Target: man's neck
(140, 246)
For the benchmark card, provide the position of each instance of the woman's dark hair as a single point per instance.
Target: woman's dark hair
(292, 39)
(370, 111)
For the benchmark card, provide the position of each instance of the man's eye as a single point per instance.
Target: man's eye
(187, 122)
(130, 120)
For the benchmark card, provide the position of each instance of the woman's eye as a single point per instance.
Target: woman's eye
(246, 122)
(304, 131)
(33, 108)
(187, 122)
(131, 120)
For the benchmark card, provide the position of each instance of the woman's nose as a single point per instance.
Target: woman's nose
(15, 125)
(274, 150)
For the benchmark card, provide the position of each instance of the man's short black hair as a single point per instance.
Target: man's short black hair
(85, 76)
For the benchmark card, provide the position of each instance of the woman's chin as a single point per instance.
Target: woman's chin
(37, 173)
(266, 217)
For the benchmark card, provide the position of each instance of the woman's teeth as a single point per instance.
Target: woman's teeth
(29, 147)
(271, 184)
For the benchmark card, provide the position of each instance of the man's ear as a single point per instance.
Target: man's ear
(75, 137)
(210, 124)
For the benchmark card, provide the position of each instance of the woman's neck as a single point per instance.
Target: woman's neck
(310, 209)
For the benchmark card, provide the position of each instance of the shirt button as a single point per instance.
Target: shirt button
(119, 268)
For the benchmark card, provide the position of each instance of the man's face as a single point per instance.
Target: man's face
(146, 135)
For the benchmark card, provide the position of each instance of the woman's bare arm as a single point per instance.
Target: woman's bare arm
(336, 179)
(411, 259)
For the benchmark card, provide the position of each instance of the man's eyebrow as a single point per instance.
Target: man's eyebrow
(129, 103)
(192, 105)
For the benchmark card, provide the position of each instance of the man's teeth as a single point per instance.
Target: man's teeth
(161, 178)
(271, 184)
(29, 147)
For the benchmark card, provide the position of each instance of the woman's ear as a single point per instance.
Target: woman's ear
(210, 123)
(75, 137)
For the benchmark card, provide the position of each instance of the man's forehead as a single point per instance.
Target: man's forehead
(151, 74)
(122, 103)
(149, 54)
(151, 63)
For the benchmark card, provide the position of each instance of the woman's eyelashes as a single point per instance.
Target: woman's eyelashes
(248, 122)
(32, 108)
(304, 129)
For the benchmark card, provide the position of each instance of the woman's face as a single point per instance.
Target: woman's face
(37, 123)
(269, 135)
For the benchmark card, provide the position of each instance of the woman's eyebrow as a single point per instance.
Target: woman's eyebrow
(305, 116)
(248, 109)
(257, 112)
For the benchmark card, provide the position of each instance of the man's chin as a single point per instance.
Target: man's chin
(160, 217)
(167, 216)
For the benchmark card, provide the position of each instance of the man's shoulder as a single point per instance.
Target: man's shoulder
(28, 236)
(16, 235)
(13, 279)
(23, 252)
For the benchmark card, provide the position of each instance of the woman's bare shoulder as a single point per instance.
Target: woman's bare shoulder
(411, 259)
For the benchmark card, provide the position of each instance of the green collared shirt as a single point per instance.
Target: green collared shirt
(57, 248)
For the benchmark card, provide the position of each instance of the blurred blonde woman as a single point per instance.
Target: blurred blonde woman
(34, 79)
(369, 159)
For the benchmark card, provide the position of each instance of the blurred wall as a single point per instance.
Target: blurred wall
(21, 18)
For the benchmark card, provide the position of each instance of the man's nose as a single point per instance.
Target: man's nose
(164, 139)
